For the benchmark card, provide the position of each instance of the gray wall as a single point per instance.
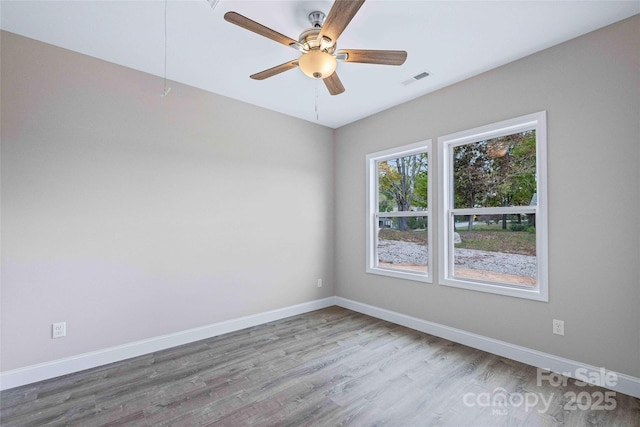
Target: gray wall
(130, 216)
(590, 88)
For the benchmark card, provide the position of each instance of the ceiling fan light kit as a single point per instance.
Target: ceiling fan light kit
(318, 45)
(317, 64)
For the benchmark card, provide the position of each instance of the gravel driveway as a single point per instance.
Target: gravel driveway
(398, 252)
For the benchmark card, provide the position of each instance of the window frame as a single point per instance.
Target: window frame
(447, 210)
(372, 214)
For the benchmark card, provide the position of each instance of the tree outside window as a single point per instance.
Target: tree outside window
(398, 212)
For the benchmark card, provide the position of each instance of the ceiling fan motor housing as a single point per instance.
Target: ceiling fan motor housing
(309, 39)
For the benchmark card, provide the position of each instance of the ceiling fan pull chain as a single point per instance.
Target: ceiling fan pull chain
(317, 116)
(165, 89)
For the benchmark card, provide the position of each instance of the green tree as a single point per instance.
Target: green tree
(402, 180)
(496, 172)
(512, 179)
(471, 167)
(421, 190)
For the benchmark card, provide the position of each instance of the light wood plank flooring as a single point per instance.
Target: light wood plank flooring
(331, 367)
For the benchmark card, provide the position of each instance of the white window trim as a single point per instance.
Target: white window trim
(372, 210)
(535, 121)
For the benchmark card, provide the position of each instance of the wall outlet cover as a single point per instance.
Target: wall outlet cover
(59, 330)
(558, 327)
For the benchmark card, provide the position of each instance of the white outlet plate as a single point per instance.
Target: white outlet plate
(59, 330)
(319, 283)
(558, 327)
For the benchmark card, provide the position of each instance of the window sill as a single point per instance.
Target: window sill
(532, 293)
(416, 277)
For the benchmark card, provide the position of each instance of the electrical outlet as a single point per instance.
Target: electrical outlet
(558, 327)
(319, 283)
(59, 330)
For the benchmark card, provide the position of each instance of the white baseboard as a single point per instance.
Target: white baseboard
(623, 383)
(68, 365)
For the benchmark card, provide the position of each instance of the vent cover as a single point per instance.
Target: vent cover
(415, 78)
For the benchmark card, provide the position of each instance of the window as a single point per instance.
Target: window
(492, 200)
(398, 212)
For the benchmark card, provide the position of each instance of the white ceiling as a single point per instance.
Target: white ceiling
(451, 40)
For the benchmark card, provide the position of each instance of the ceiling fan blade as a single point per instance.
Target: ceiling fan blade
(333, 84)
(384, 57)
(275, 70)
(248, 24)
(341, 13)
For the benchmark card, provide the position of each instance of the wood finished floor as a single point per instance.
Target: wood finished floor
(331, 367)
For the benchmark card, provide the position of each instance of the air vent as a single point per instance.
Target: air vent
(415, 78)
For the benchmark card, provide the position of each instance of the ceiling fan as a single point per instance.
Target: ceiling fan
(318, 45)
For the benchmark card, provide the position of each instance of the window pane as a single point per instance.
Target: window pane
(495, 172)
(402, 243)
(402, 183)
(496, 248)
